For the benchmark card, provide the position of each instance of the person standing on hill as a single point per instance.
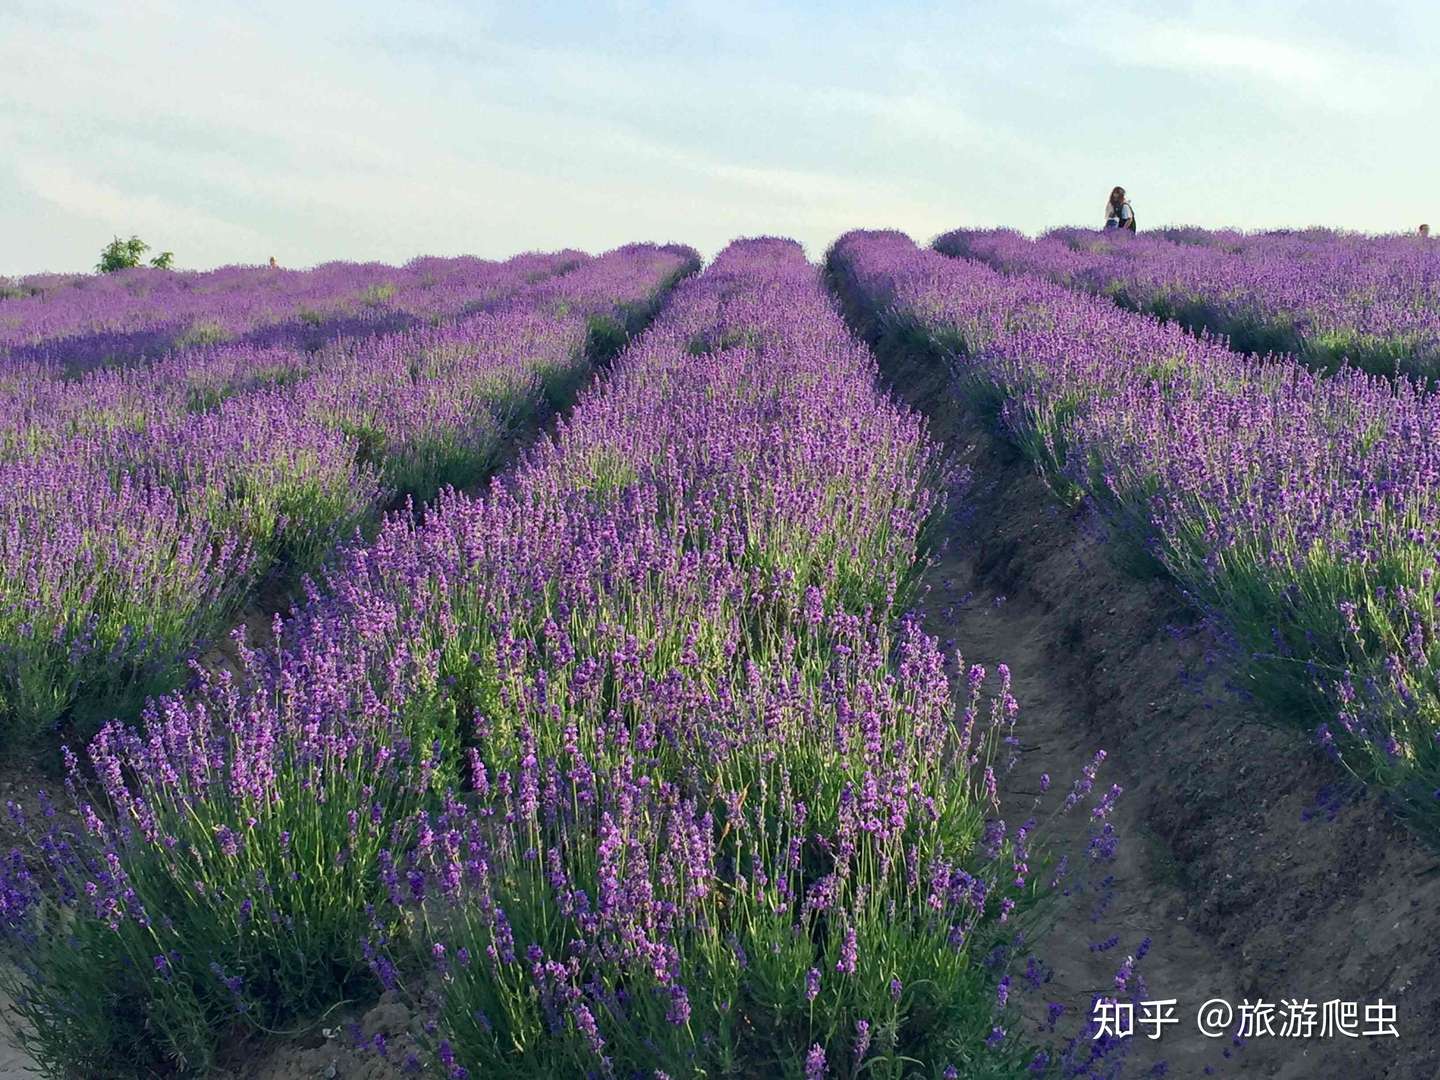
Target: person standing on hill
(1424, 230)
(1118, 214)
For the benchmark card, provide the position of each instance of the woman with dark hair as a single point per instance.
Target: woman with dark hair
(1118, 214)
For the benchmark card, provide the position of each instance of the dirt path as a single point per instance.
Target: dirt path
(1252, 873)
(15, 1063)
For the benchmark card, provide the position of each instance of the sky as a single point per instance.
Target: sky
(376, 130)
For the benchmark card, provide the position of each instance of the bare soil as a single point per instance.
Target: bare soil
(15, 1064)
(342, 1047)
(1256, 870)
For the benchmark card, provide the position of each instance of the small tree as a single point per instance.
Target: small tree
(123, 254)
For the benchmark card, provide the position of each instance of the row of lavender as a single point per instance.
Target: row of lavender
(1304, 509)
(1299, 240)
(143, 506)
(720, 814)
(142, 313)
(47, 404)
(1373, 302)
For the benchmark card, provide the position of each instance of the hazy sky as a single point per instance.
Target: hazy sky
(370, 130)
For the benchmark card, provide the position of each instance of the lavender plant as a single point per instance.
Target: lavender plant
(222, 883)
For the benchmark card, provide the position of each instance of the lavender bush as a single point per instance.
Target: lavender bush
(686, 733)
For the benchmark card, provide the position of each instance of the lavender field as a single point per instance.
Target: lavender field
(600, 666)
(148, 500)
(1299, 507)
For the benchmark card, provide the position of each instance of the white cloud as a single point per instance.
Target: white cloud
(117, 210)
(1324, 75)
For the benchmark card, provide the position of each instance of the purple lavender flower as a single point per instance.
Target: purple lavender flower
(847, 963)
(862, 1040)
(812, 984)
(815, 1063)
(678, 1012)
(588, 1029)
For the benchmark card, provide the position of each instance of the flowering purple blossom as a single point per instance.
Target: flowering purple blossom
(1125, 973)
(846, 964)
(679, 1011)
(862, 1040)
(815, 1063)
(588, 1029)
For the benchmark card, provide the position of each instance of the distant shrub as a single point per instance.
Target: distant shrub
(126, 254)
(375, 295)
(205, 332)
